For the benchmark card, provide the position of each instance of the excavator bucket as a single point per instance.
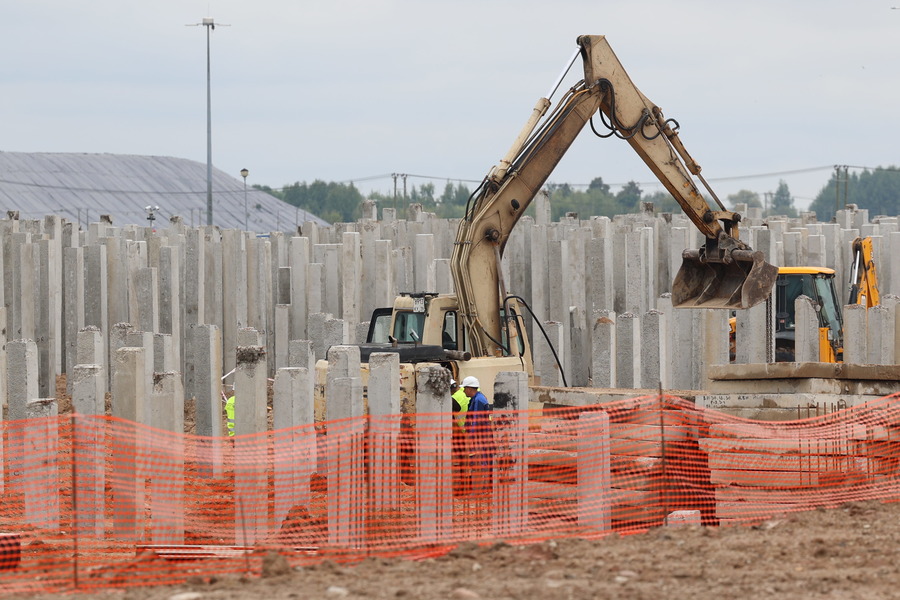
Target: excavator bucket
(742, 282)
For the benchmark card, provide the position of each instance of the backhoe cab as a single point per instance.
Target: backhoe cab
(816, 283)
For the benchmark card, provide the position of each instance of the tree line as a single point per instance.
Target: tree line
(877, 190)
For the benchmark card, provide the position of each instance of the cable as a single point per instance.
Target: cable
(430, 177)
(534, 319)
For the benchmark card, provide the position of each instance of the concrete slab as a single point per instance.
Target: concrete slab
(809, 378)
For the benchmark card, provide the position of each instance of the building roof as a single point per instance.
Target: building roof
(81, 187)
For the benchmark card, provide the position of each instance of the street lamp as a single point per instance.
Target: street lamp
(151, 214)
(209, 23)
(244, 173)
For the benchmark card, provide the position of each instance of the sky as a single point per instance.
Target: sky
(355, 90)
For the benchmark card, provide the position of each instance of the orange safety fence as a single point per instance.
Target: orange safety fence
(95, 502)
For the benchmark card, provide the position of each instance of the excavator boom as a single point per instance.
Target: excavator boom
(725, 273)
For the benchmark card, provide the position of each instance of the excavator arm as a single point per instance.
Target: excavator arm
(863, 277)
(725, 273)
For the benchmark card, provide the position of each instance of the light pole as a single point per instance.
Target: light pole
(210, 24)
(244, 173)
(151, 214)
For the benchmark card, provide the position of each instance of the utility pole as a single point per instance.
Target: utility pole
(394, 176)
(841, 175)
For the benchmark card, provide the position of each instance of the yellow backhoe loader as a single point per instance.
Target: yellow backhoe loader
(817, 283)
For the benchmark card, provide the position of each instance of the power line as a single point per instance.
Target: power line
(389, 176)
(736, 177)
(728, 178)
(70, 188)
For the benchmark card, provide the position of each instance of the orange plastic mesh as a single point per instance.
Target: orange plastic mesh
(153, 507)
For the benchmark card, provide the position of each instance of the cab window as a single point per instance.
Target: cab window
(408, 326)
(829, 315)
(380, 326)
(794, 286)
(448, 332)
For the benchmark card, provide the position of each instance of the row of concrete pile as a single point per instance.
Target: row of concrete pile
(599, 286)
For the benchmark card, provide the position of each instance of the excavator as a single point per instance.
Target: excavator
(479, 330)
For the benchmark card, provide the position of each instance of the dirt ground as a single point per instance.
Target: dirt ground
(849, 552)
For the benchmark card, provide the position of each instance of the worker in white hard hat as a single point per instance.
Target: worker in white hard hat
(477, 400)
(480, 434)
(477, 404)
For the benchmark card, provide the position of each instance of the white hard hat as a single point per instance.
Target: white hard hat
(471, 382)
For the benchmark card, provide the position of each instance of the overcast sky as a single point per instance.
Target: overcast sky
(345, 90)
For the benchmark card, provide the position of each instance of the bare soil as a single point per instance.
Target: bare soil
(849, 552)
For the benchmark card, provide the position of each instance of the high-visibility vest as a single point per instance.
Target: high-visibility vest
(229, 415)
(463, 401)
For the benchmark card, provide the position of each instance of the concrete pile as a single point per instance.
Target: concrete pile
(154, 318)
(192, 298)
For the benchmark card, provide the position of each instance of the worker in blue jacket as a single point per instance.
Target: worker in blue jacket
(480, 434)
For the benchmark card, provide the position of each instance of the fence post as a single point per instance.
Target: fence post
(384, 430)
(594, 479)
(294, 439)
(88, 448)
(250, 456)
(346, 470)
(167, 444)
(40, 464)
(510, 419)
(128, 405)
(434, 468)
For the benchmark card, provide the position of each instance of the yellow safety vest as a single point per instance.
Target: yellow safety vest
(463, 401)
(229, 415)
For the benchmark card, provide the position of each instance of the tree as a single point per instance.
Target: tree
(455, 195)
(629, 197)
(877, 191)
(597, 184)
(423, 194)
(782, 201)
(751, 199)
(663, 202)
(333, 202)
(594, 201)
(559, 190)
(264, 188)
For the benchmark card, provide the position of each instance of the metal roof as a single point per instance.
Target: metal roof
(80, 187)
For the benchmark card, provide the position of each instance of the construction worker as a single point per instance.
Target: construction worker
(460, 454)
(460, 402)
(229, 414)
(477, 400)
(479, 433)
